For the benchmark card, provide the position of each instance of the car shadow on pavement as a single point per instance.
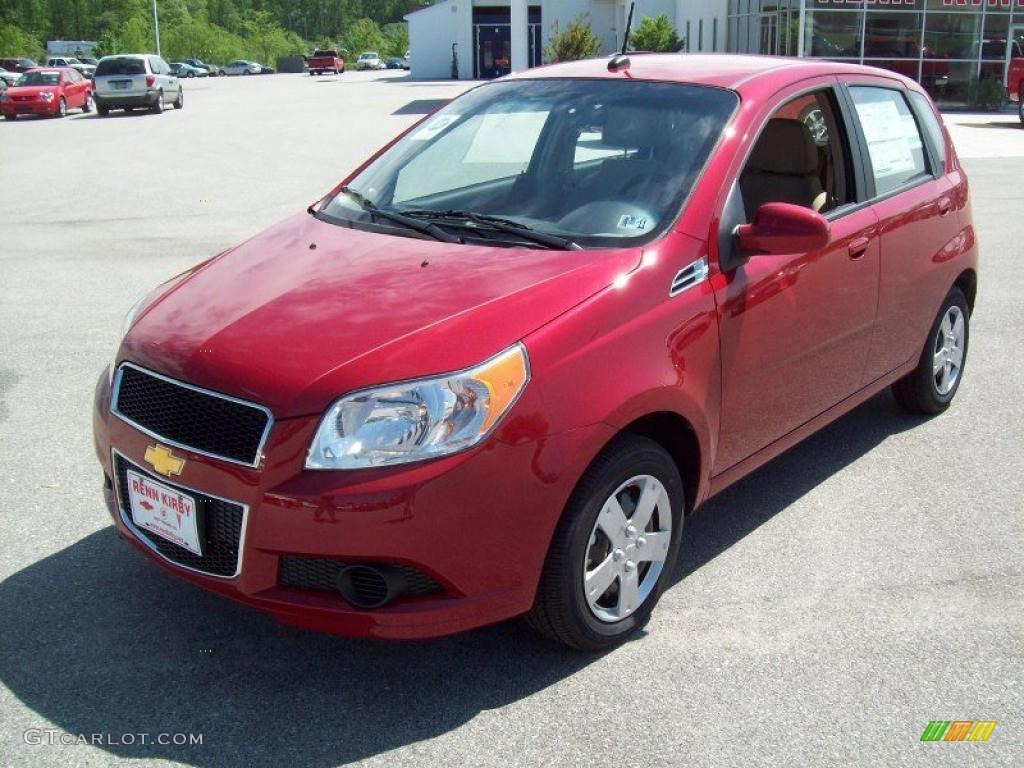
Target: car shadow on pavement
(99, 641)
(754, 500)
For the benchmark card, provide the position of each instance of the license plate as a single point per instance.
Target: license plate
(121, 85)
(164, 511)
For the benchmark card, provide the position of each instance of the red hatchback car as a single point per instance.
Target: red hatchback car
(48, 91)
(492, 372)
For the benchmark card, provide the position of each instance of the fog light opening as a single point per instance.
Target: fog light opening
(370, 586)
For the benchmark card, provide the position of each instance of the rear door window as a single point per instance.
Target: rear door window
(894, 142)
(930, 123)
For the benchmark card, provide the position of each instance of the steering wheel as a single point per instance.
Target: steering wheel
(656, 179)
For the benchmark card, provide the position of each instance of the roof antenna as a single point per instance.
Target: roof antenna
(621, 60)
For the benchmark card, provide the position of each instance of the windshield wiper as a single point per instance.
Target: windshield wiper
(504, 225)
(406, 221)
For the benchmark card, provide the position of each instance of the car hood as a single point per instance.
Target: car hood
(308, 311)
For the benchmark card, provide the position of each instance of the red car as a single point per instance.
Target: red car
(47, 91)
(491, 372)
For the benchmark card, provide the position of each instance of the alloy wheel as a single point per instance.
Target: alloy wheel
(628, 546)
(948, 356)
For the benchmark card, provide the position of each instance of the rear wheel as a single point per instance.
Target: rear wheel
(179, 102)
(102, 111)
(89, 104)
(158, 105)
(1020, 106)
(614, 549)
(930, 388)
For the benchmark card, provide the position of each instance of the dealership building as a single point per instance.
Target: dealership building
(950, 46)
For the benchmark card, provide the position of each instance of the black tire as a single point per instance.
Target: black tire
(311, 73)
(1020, 106)
(179, 103)
(560, 610)
(918, 391)
(11, 117)
(191, 74)
(62, 107)
(102, 111)
(89, 103)
(342, 69)
(157, 106)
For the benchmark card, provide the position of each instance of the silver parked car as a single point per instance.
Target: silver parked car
(87, 70)
(242, 67)
(8, 78)
(135, 80)
(369, 60)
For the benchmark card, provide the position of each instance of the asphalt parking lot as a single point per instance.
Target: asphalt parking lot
(826, 609)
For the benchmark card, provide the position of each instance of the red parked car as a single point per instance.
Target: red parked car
(47, 91)
(492, 371)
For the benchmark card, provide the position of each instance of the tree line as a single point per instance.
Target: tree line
(212, 30)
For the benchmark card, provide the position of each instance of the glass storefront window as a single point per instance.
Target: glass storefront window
(833, 34)
(892, 35)
(950, 82)
(952, 35)
(905, 67)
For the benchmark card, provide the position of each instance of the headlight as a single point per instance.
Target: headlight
(416, 420)
(46, 96)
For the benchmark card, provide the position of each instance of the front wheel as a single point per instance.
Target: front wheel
(10, 116)
(62, 108)
(1020, 106)
(614, 549)
(930, 388)
(102, 111)
(179, 102)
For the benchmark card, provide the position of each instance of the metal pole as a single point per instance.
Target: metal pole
(801, 28)
(156, 28)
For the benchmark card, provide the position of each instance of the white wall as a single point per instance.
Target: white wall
(696, 11)
(431, 34)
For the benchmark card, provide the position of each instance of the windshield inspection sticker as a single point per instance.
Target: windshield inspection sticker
(638, 223)
(434, 127)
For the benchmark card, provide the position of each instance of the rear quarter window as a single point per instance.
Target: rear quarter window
(930, 123)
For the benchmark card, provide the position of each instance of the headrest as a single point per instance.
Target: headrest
(632, 126)
(785, 147)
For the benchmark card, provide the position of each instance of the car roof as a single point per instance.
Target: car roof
(713, 69)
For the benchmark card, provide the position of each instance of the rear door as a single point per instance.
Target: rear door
(913, 198)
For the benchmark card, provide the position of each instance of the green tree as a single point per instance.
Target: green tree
(364, 35)
(14, 41)
(577, 41)
(655, 35)
(396, 40)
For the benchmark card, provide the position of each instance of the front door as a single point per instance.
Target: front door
(796, 328)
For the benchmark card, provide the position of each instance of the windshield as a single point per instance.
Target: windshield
(599, 162)
(121, 65)
(39, 78)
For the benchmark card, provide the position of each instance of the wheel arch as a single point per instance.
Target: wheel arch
(967, 281)
(677, 436)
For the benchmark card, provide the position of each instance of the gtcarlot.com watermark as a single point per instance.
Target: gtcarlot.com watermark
(55, 736)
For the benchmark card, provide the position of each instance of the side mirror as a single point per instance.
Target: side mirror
(784, 228)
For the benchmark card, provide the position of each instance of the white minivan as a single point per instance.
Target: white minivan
(136, 80)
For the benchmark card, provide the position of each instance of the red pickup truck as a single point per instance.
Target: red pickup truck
(1015, 85)
(326, 61)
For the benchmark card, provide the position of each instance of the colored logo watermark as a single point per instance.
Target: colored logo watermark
(958, 730)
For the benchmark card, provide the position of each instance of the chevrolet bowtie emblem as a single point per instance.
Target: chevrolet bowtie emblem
(163, 461)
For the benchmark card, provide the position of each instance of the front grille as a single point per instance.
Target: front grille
(196, 419)
(220, 531)
(321, 575)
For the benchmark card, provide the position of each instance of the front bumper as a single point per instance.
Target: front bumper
(478, 524)
(29, 107)
(120, 101)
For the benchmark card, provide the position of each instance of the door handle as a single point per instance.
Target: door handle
(859, 247)
(945, 206)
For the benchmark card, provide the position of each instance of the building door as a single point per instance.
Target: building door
(493, 50)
